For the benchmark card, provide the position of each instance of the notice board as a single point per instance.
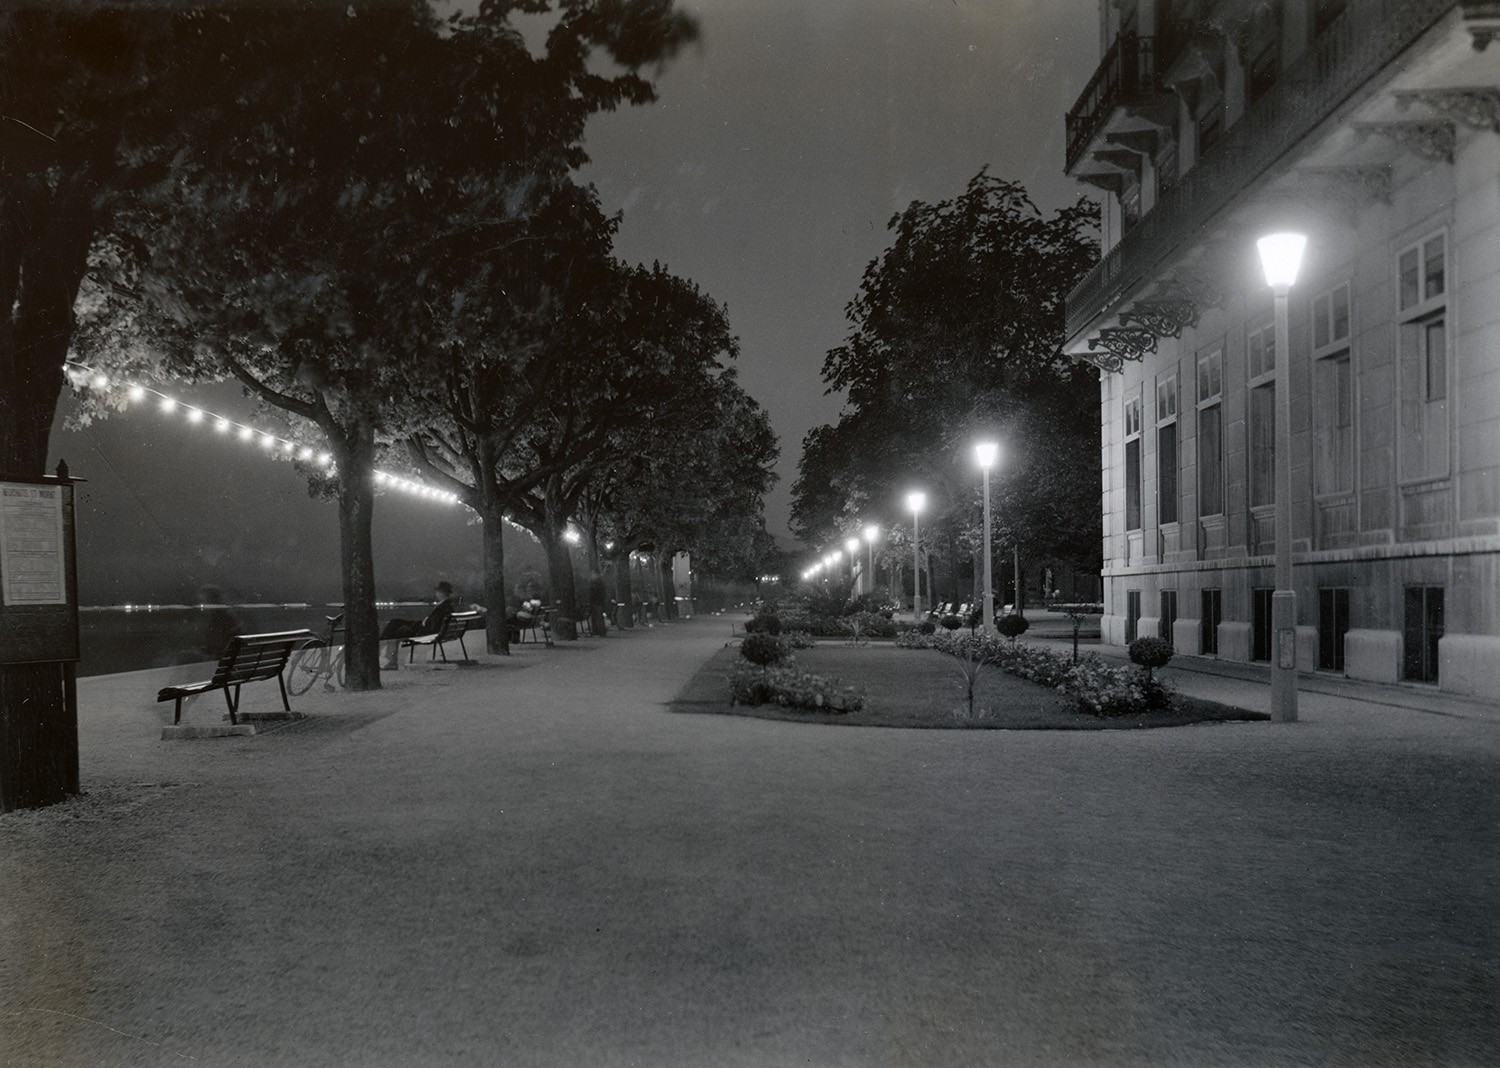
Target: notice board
(38, 571)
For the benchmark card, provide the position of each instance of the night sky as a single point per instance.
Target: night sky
(778, 150)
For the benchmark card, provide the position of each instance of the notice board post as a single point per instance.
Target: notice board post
(38, 641)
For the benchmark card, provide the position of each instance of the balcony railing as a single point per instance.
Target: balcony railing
(1354, 49)
(1127, 70)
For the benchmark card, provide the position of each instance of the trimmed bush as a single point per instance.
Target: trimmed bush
(763, 624)
(951, 622)
(1150, 653)
(927, 626)
(1013, 625)
(763, 649)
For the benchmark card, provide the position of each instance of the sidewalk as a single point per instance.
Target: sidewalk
(537, 862)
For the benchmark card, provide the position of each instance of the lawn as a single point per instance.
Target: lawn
(922, 688)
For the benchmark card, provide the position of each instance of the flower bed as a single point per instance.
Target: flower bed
(788, 685)
(1098, 688)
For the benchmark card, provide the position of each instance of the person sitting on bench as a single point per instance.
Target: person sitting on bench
(396, 629)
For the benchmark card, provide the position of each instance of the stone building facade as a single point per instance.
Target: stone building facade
(1372, 126)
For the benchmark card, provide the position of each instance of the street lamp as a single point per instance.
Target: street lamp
(871, 533)
(1280, 257)
(915, 502)
(987, 452)
(852, 544)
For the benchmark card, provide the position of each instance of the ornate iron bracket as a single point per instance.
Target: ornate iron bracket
(1477, 107)
(1432, 141)
(1123, 343)
(1344, 190)
(1166, 317)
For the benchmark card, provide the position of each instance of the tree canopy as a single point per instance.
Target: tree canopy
(956, 334)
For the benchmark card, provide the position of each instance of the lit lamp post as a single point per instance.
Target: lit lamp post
(916, 502)
(1280, 256)
(987, 452)
(871, 533)
(852, 544)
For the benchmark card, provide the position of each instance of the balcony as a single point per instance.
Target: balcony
(1354, 49)
(1127, 73)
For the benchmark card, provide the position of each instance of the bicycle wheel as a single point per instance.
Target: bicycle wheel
(306, 667)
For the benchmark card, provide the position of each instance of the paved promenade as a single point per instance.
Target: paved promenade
(537, 862)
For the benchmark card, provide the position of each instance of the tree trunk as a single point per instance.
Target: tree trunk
(496, 633)
(560, 572)
(598, 595)
(356, 465)
(41, 283)
(668, 587)
(624, 591)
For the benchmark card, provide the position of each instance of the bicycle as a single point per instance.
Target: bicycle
(320, 658)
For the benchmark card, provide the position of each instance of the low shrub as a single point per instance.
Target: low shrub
(927, 626)
(792, 687)
(797, 639)
(951, 622)
(913, 638)
(763, 649)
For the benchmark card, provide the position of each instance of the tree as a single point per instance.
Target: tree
(294, 249)
(956, 331)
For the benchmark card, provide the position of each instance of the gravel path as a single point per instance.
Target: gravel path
(534, 862)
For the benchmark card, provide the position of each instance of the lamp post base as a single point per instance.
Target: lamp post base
(1284, 656)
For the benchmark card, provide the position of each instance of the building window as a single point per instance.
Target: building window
(1211, 433)
(1211, 614)
(1133, 464)
(1422, 276)
(1260, 623)
(1423, 630)
(1166, 450)
(1331, 319)
(1333, 426)
(1168, 615)
(1423, 359)
(1333, 624)
(1132, 614)
(1260, 360)
(1333, 394)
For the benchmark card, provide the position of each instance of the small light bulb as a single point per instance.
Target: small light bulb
(167, 404)
(325, 459)
(246, 433)
(137, 393)
(100, 382)
(266, 441)
(222, 426)
(305, 454)
(195, 415)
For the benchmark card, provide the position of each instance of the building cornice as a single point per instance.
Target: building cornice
(1470, 546)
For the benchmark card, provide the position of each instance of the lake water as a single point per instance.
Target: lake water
(135, 637)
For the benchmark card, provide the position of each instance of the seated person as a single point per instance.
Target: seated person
(523, 618)
(396, 629)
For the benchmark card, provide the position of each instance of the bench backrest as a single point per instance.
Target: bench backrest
(251, 657)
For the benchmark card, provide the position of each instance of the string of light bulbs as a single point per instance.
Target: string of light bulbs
(82, 376)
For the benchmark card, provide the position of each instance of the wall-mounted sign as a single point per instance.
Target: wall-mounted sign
(33, 557)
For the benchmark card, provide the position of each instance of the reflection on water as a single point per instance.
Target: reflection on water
(133, 637)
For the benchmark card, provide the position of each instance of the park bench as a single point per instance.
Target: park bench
(247, 658)
(452, 630)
